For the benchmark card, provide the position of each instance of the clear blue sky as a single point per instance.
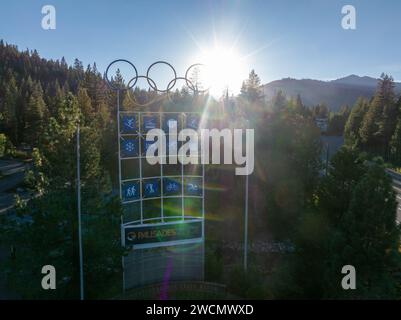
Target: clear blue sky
(300, 39)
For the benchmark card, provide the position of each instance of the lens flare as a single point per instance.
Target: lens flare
(224, 69)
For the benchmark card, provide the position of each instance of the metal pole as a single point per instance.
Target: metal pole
(119, 181)
(203, 220)
(81, 271)
(327, 157)
(246, 217)
(246, 224)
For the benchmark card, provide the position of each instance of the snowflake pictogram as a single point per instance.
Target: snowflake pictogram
(129, 146)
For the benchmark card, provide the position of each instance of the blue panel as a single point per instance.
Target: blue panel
(150, 122)
(129, 147)
(193, 187)
(171, 187)
(129, 124)
(151, 188)
(130, 191)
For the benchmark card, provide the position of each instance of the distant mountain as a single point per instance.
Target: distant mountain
(335, 93)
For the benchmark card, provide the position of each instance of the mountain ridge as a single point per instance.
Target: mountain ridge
(334, 93)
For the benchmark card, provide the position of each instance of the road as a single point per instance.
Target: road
(12, 174)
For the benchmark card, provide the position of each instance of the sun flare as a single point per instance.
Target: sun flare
(224, 69)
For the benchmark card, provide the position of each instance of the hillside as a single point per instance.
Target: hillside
(335, 93)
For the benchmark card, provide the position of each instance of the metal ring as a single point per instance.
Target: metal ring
(180, 78)
(187, 80)
(155, 88)
(132, 99)
(110, 84)
(152, 84)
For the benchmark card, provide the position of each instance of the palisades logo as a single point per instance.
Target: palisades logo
(196, 148)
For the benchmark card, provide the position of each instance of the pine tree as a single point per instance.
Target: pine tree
(196, 79)
(9, 109)
(353, 222)
(395, 144)
(297, 105)
(279, 101)
(24, 93)
(118, 80)
(95, 85)
(251, 90)
(369, 132)
(354, 122)
(52, 231)
(321, 111)
(85, 105)
(78, 66)
(379, 123)
(390, 111)
(367, 238)
(56, 143)
(35, 112)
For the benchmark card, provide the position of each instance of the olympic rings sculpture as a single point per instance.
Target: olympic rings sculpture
(152, 84)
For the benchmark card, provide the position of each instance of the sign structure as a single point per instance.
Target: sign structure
(163, 220)
(158, 226)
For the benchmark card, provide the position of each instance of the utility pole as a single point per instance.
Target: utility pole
(246, 216)
(81, 271)
(327, 157)
(246, 224)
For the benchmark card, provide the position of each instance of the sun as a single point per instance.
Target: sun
(224, 69)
